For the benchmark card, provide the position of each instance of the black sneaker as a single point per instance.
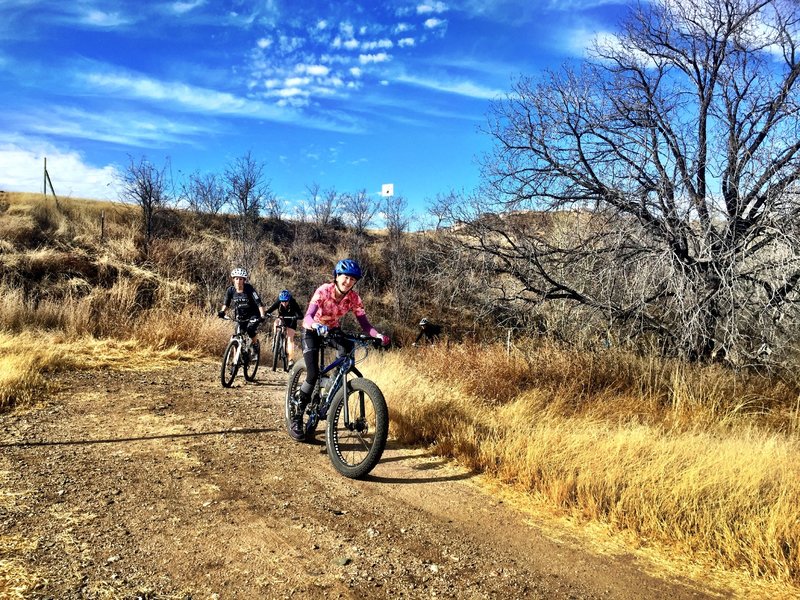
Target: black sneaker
(296, 428)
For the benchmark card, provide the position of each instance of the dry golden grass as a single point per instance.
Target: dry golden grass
(26, 358)
(662, 452)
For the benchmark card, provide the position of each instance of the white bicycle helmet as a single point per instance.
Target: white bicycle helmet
(239, 272)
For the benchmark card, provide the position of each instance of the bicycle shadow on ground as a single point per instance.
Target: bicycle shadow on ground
(144, 438)
(419, 460)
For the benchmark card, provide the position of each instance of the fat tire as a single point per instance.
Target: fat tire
(228, 371)
(296, 378)
(352, 453)
(251, 366)
(284, 358)
(276, 344)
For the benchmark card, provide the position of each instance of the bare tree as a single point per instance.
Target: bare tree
(247, 193)
(205, 193)
(442, 208)
(145, 185)
(322, 206)
(666, 168)
(274, 207)
(400, 260)
(360, 209)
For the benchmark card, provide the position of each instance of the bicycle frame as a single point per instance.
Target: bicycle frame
(345, 364)
(240, 333)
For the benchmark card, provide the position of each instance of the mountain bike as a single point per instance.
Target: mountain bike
(279, 346)
(354, 407)
(239, 353)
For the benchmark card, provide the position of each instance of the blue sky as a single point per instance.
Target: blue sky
(348, 95)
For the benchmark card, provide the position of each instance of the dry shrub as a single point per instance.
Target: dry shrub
(21, 381)
(482, 371)
(188, 329)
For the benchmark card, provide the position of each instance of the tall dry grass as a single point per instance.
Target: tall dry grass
(661, 450)
(28, 358)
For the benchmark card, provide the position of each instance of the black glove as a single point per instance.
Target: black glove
(221, 314)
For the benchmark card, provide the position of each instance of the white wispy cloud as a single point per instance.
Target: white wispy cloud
(461, 88)
(380, 57)
(99, 18)
(182, 97)
(434, 23)
(128, 128)
(377, 45)
(181, 8)
(71, 175)
(431, 7)
(179, 94)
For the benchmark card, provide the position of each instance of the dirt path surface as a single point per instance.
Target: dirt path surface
(162, 484)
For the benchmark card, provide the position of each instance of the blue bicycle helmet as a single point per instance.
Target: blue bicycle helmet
(347, 266)
(284, 296)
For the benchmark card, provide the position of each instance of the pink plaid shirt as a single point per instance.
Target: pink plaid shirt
(329, 311)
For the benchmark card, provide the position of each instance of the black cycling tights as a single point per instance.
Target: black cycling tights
(311, 346)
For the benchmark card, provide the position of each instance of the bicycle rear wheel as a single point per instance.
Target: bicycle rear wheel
(230, 363)
(251, 366)
(356, 446)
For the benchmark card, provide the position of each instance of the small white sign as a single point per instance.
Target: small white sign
(387, 189)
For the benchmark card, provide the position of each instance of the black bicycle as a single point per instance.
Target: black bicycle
(354, 407)
(279, 346)
(239, 353)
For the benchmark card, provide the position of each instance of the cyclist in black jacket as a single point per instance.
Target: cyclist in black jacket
(246, 303)
(288, 311)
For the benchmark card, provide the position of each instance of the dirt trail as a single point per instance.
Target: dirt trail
(164, 485)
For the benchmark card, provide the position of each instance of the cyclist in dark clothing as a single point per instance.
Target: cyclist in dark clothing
(246, 303)
(429, 330)
(289, 312)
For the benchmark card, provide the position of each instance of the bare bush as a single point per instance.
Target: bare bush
(667, 167)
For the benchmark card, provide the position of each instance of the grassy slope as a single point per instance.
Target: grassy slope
(697, 459)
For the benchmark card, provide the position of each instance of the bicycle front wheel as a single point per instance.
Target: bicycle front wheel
(251, 366)
(230, 363)
(277, 341)
(296, 378)
(356, 438)
(284, 360)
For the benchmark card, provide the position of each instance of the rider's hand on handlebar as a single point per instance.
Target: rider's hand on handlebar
(221, 314)
(321, 329)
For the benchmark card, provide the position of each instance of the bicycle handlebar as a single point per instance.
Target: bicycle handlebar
(361, 339)
(247, 320)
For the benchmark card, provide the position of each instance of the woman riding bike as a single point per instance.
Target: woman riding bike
(246, 302)
(330, 302)
(289, 312)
